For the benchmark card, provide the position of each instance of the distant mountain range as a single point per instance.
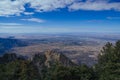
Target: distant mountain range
(7, 43)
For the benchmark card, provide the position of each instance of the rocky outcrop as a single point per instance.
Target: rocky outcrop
(50, 58)
(56, 57)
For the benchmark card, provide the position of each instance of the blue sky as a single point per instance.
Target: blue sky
(51, 16)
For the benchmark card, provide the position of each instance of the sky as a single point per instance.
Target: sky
(59, 16)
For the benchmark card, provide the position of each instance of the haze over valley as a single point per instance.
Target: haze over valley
(81, 48)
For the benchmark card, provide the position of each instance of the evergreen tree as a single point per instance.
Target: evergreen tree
(108, 67)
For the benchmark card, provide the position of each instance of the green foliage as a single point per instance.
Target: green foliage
(38, 61)
(8, 57)
(108, 67)
(18, 70)
(59, 72)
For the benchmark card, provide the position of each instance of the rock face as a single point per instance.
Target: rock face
(49, 59)
(52, 57)
(55, 56)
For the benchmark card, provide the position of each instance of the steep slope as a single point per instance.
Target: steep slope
(55, 56)
(50, 58)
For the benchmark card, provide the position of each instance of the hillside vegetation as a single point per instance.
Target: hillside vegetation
(53, 65)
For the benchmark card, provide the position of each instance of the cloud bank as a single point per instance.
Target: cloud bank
(34, 20)
(17, 7)
(10, 24)
(96, 6)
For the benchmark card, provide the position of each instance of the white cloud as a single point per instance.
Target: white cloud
(96, 6)
(112, 18)
(95, 21)
(34, 20)
(16, 7)
(28, 13)
(49, 5)
(10, 24)
(8, 7)
(9, 27)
